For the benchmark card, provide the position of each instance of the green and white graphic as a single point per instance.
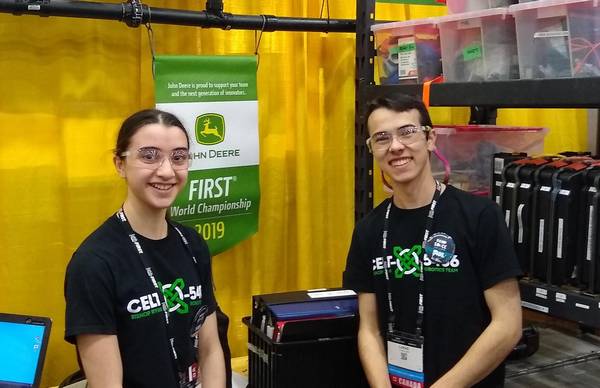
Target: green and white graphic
(407, 261)
(215, 98)
(179, 299)
(404, 263)
(210, 129)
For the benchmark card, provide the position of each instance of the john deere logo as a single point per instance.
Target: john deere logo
(210, 129)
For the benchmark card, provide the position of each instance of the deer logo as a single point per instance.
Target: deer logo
(210, 129)
(207, 130)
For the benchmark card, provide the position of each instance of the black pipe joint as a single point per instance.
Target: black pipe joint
(35, 5)
(133, 13)
(214, 7)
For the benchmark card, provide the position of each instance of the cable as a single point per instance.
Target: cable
(321, 13)
(257, 42)
(150, 32)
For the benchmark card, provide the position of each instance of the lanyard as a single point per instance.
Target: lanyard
(386, 264)
(138, 247)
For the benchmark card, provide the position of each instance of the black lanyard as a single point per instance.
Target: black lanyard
(165, 307)
(428, 227)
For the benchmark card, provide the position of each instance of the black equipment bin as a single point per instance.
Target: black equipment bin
(588, 252)
(320, 363)
(566, 188)
(499, 162)
(516, 203)
(543, 208)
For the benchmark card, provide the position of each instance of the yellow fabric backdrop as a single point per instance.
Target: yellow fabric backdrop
(65, 86)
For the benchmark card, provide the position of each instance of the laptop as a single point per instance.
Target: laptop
(23, 343)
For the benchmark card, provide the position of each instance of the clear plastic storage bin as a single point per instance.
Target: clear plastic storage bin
(469, 149)
(558, 38)
(479, 46)
(408, 52)
(458, 6)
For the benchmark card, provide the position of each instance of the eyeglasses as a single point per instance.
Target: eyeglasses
(407, 135)
(153, 158)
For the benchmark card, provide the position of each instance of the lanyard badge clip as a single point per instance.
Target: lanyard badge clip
(405, 359)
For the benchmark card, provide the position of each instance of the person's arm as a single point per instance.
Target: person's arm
(101, 360)
(211, 363)
(496, 341)
(370, 343)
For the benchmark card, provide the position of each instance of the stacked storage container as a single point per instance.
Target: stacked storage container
(479, 46)
(460, 6)
(469, 150)
(477, 42)
(558, 38)
(408, 52)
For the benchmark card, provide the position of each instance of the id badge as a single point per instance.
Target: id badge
(405, 359)
(188, 378)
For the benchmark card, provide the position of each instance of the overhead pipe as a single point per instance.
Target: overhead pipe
(134, 13)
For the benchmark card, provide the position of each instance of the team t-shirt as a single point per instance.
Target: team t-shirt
(108, 291)
(470, 236)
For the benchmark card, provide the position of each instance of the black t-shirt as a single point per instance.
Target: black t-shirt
(108, 291)
(478, 253)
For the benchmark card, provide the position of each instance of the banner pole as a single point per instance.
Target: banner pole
(125, 12)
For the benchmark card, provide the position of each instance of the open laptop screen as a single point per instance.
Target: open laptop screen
(23, 342)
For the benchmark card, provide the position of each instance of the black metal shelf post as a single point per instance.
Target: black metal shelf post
(363, 162)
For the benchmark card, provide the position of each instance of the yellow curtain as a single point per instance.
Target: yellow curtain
(65, 86)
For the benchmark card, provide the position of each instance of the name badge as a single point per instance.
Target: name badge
(188, 379)
(405, 359)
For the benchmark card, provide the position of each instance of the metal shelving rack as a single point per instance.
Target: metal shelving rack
(559, 302)
(485, 97)
(546, 93)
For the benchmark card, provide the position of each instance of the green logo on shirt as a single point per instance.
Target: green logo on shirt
(178, 300)
(174, 295)
(407, 261)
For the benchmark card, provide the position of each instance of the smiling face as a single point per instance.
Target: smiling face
(153, 187)
(403, 164)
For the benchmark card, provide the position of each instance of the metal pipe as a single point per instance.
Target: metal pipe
(125, 11)
(214, 6)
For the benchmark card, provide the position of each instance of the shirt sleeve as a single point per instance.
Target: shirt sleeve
(498, 260)
(90, 297)
(358, 275)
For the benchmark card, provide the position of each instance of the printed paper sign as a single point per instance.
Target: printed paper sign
(216, 100)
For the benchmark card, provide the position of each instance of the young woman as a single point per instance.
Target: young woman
(140, 306)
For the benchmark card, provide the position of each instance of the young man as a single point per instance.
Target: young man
(434, 268)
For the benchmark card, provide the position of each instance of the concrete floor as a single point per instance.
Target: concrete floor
(561, 361)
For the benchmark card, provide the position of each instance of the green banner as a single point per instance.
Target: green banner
(216, 78)
(215, 98)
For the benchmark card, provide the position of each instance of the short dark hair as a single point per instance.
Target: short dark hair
(399, 102)
(144, 117)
